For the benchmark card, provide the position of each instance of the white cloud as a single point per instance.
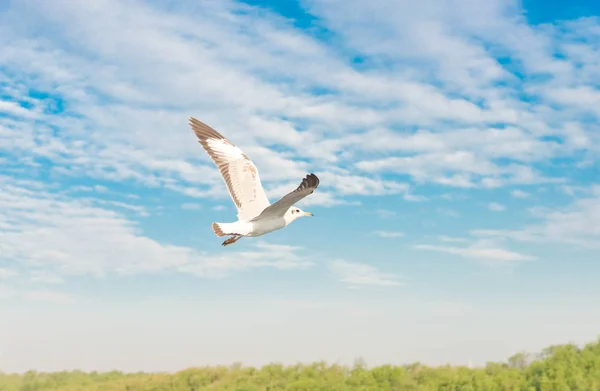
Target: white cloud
(357, 274)
(577, 224)
(496, 207)
(385, 213)
(347, 184)
(95, 188)
(122, 205)
(319, 197)
(481, 250)
(256, 87)
(444, 238)
(12, 108)
(389, 234)
(158, 149)
(414, 198)
(519, 194)
(280, 257)
(435, 36)
(457, 169)
(64, 236)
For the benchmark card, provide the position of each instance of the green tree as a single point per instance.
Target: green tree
(557, 368)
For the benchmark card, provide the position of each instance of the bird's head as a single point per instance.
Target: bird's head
(294, 213)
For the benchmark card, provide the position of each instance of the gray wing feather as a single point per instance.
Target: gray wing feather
(278, 209)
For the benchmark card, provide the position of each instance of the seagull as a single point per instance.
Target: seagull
(256, 215)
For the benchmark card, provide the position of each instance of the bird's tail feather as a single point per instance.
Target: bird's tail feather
(224, 229)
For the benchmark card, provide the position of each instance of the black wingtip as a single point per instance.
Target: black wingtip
(313, 180)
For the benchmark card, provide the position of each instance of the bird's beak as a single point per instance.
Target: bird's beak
(308, 214)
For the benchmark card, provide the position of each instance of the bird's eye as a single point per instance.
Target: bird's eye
(297, 210)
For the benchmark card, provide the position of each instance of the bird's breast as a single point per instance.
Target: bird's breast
(262, 227)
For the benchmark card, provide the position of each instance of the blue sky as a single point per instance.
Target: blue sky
(457, 220)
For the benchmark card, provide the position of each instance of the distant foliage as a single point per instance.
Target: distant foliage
(557, 368)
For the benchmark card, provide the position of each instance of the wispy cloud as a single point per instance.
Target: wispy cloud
(445, 238)
(158, 149)
(95, 188)
(67, 237)
(385, 213)
(481, 250)
(389, 234)
(576, 224)
(496, 207)
(366, 130)
(357, 274)
(414, 198)
(519, 194)
(176, 46)
(12, 108)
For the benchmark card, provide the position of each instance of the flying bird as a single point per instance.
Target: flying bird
(256, 215)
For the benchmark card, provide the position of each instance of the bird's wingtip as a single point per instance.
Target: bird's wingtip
(314, 178)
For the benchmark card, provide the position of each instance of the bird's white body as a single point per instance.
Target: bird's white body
(259, 226)
(253, 228)
(256, 215)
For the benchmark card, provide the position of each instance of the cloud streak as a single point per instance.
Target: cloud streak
(389, 234)
(481, 251)
(577, 224)
(51, 233)
(357, 274)
(445, 111)
(211, 62)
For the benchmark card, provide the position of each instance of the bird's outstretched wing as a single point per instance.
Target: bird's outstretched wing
(278, 209)
(238, 171)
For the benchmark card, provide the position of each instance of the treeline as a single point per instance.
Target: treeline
(557, 368)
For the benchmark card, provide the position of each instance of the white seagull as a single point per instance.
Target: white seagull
(256, 215)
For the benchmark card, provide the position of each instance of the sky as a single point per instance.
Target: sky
(457, 143)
